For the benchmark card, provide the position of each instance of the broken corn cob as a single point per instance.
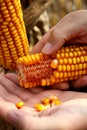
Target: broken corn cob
(13, 39)
(69, 63)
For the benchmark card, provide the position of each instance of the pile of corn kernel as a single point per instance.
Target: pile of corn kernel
(47, 103)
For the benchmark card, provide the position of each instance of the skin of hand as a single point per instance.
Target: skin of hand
(71, 29)
(70, 115)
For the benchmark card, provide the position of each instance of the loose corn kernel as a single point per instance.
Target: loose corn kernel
(40, 107)
(20, 104)
(47, 103)
(57, 102)
(53, 97)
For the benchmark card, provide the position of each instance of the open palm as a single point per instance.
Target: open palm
(66, 116)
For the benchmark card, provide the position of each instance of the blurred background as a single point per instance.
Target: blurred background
(41, 15)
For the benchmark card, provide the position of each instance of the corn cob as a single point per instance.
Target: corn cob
(69, 63)
(13, 39)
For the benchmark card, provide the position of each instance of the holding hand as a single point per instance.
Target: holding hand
(71, 114)
(71, 29)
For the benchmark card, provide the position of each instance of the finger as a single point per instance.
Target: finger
(79, 83)
(61, 86)
(64, 31)
(8, 96)
(24, 121)
(38, 47)
(14, 89)
(81, 40)
(50, 42)
(36, 90)
(5, 107)
(13, 77)
(55, 41)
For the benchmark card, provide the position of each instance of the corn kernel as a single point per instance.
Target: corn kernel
(70, 61)
(43, 82)
(20, 104)
(60, 68)
(64, 68)
(52, 79)
(40, 107)
(26, 84)
(61, 61)
(65, 61)
(57, 102)
(74, 60)
(54, 64)
(68, 68)
(56, 74)
(48, 81)
(82, 59)
(46, 101)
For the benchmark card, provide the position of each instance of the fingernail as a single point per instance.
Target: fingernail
(13, 118)
(47, 48)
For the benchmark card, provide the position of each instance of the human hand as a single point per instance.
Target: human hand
(71, 114)
(71, 29)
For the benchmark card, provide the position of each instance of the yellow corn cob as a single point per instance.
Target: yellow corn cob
(13, 39)
(69, 63)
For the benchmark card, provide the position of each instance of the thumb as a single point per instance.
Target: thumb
(55, 41)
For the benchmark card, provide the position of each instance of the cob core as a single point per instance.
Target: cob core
(69, 63)
(13, 39)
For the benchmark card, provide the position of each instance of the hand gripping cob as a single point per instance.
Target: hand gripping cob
(13, 39)
(69, 63)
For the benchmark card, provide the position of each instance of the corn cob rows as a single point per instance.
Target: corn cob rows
(13, 39)
(69, 63)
